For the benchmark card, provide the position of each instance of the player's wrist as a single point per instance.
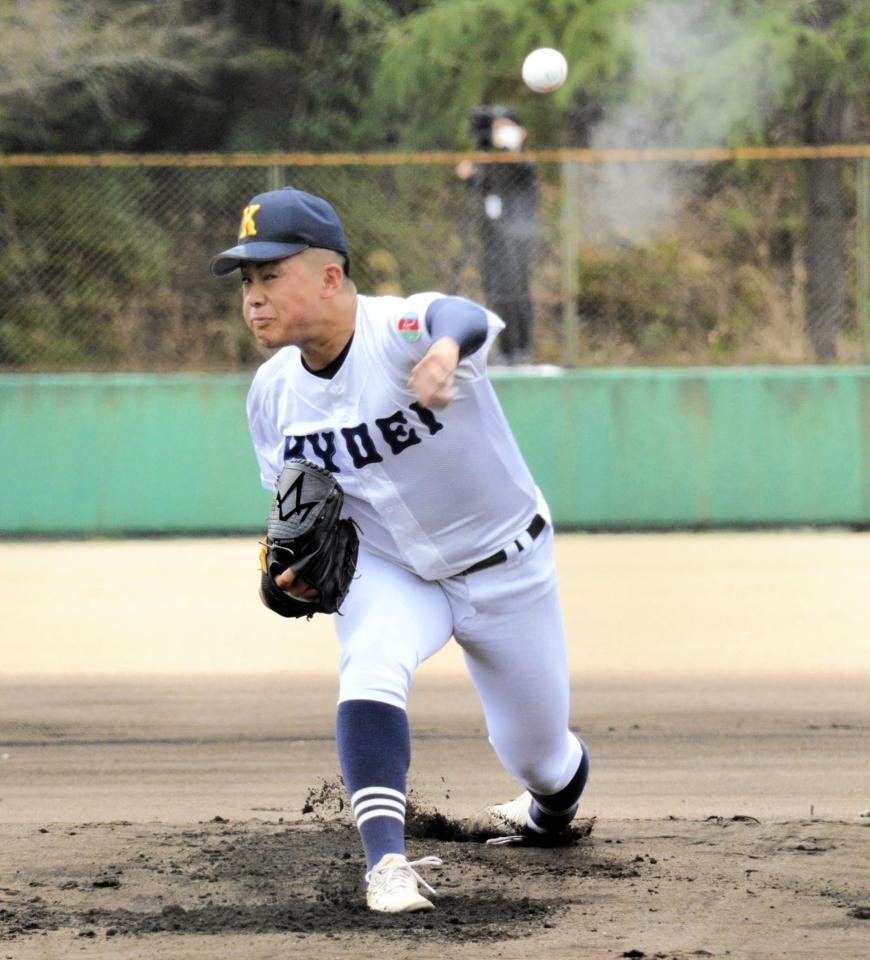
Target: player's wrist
(447, 348)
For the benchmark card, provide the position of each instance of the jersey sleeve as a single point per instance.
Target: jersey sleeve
(264, 434)
(406, 337)
(465, 322)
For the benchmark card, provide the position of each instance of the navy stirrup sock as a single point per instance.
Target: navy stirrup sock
(555, 811)
(374, 751)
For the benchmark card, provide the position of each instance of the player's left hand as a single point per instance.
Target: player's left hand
(296, 586)
(432, 379)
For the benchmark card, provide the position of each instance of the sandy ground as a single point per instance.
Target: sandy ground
(157, 751)
(699, 604)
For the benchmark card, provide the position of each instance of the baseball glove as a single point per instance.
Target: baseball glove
(304, 533)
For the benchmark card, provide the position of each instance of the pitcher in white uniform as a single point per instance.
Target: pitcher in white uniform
(390, 394)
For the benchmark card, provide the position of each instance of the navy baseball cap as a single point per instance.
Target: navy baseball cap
(280, 223)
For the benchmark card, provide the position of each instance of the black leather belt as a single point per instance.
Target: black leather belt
(533, 530)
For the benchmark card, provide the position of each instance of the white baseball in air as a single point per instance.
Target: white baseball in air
(544, 70)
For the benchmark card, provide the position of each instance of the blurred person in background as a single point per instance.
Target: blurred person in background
(503, 201)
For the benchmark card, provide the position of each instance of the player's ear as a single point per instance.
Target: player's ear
(331, 278)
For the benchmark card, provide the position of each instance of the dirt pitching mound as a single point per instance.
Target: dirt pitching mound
(326, 803)
(303, 877)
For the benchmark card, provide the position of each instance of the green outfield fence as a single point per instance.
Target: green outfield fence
(641, 257)
(114, 454)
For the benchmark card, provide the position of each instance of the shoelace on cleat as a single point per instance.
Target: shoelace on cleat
(390, 875)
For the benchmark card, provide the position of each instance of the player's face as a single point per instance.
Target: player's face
(279, 300)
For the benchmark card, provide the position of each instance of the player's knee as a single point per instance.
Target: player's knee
(386, 685)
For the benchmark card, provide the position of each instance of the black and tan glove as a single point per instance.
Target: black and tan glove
(306, 535)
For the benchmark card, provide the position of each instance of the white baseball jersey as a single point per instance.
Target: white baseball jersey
(432, 490)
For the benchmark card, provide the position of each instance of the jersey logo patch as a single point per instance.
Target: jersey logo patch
(409, 326)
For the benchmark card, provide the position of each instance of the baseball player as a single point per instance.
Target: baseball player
(390, 396)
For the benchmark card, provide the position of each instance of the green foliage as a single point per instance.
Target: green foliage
(835, 46)
(705, 74)
(86, 75)
(336, 75)
(723, 282)
(663, 303)
(710, 73)
(299, 72)
(371, 74)
(68, 255)
(452, 55)
(108, 269)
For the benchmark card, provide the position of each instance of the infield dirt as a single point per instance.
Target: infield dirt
(162, 816)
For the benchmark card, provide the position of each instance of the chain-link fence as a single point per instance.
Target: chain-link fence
(593, 259)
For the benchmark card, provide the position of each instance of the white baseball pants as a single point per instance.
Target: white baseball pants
(508, 621)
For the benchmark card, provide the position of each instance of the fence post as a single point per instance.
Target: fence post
(863, 292)
(570, 250)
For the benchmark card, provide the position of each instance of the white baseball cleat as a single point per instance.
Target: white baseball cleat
(513, 821)
(514, 815)
(392, 884)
